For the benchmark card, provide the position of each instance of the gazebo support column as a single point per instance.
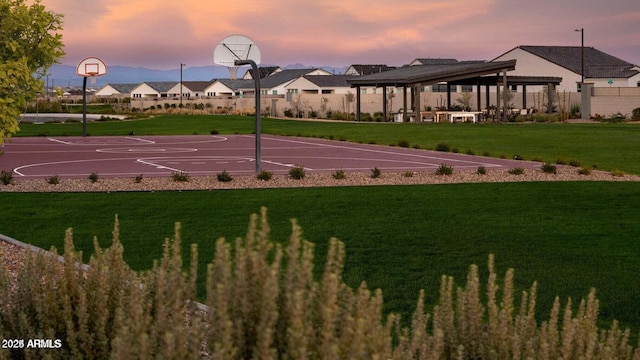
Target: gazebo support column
(549, 98)
(358, 102)
(417, 103)
(405, 116)
(478, 97)
(524, 96)
(505, 89)
(384, 103)
(448, 96)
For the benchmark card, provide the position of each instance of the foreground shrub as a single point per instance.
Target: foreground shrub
(375, 173)
(94, 177)
(263, 301)
(481, 170)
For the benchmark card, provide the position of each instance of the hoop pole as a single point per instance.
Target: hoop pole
(256, 81)
(84, 106)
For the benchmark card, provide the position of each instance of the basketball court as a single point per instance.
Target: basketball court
(200, 155)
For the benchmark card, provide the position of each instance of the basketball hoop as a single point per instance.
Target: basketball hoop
(233, 52)
(233, 72)
(90, 67)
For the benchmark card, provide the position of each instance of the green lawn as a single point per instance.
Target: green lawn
(568, 236)
(609, 146)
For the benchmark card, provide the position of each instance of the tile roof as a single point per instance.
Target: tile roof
(196, 85)
(161, 86)
(283, 77)
(123, 88)
(330, 81)
(237, 83)
(598, 64)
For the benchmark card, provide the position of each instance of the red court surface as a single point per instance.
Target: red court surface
(198, 155)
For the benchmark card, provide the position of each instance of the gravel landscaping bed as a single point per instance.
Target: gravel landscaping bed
(564, 173)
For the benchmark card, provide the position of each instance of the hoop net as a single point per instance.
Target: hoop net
(233, 72)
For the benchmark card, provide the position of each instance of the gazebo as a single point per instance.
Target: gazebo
(463, 73)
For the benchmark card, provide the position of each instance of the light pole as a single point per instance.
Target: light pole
(181, 65)
(581, 30)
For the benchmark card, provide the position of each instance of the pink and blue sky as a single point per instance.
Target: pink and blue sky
(162, 34)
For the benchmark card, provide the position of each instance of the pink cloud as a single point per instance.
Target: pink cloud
(337, 32)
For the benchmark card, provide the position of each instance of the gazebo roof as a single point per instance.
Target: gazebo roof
(431, 74)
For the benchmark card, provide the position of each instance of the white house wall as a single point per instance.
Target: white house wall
(144, 91)
(528, 64)
(107, 90)
(218, 89)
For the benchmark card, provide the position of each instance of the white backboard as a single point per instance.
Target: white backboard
(91, 66)
(235, 47)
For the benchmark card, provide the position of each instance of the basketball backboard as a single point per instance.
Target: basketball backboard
(91, 66)
(235, 47)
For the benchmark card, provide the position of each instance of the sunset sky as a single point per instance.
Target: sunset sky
(162, 34)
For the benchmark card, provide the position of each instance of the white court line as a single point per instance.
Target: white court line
(157, 166)
(441, 159)
(286, 165)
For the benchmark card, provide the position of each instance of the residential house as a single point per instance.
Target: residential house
(275, 83)
(228, 87)
(190, 88)
(116, 90)
(151, 89)
(359, 70)
(320, 84)
(263, 70)
(601, 69)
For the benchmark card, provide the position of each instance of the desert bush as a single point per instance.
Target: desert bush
(53, 180)
(584, 171)
(443, 146)
(138, 178)
(574, 163)
(635, 114)
(408, 174)
(481, 170)
(549, 168)
(224, 176)
(375, 173)
(180, 176)
(516, 171)
(617, 173)
(262, 298)
(264, 175)
(444, 169)
(6, 177)
(297, 172)
(94, 177)
(403, 143)
(339, 174)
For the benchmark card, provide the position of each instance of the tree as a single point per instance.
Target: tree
(29, 45)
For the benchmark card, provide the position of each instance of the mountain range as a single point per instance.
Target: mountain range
(60, 75)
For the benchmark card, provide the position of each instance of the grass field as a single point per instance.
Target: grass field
(568, 236)
(609, 146)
